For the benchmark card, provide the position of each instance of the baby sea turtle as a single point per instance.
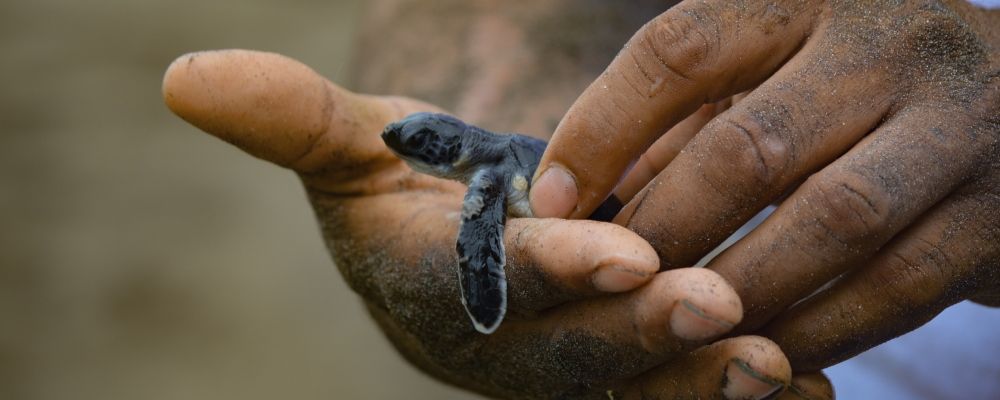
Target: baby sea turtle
(497, 168)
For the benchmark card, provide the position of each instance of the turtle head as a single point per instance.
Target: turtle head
(429, 143)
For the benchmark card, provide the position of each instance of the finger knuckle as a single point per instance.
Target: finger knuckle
(682, 41)
(932, 13)
(849, 208)
(750, 148)
(933, 21)
(915, 275)
(941, 38)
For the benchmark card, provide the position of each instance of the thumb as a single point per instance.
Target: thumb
(277, 109)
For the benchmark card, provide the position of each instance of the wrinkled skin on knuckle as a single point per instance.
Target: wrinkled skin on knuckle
(914, 279)
(941, 41)
(815, 341)
(850, 210)
(814, 349)
(916, 276)
(819, 345)
(986, 272)
(684, 41)
(751, 146)
(984, 283)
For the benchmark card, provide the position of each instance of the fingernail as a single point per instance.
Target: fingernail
(743, 382)
(554, 194)
(615, 279)
(687, 321)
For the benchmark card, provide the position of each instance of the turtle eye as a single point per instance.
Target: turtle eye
(419, 139)
(453, 140)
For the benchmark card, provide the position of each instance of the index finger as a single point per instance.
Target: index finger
(695, 53)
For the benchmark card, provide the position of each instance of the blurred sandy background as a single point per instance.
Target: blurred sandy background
(142, 259)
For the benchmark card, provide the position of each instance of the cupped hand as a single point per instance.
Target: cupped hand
(875, 122)
(575, 327)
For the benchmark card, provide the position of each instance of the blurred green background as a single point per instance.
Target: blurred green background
(142, 259)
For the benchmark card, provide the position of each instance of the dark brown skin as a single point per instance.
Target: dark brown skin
(875, 124)
(391, 232)
(894, 109)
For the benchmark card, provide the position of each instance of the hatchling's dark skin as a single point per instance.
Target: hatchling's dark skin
(497, 168)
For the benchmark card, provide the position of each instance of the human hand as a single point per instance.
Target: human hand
(879, 121)
(392, 232)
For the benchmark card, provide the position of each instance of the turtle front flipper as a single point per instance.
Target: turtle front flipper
(481, 255)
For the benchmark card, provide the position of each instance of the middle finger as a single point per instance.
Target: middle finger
(802, 118)
(846, 212)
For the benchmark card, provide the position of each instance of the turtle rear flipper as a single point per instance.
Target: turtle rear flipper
(480, 249)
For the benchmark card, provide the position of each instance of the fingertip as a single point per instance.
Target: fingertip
(704, 305)
(626, 267)
(685, 308)
(757, 370)
(714, 295)
(269, 105)
(810, 386)
(691, 322)
(744, 367)
(178, 86)
(581, 258)
(171, 78)
(554, 194)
